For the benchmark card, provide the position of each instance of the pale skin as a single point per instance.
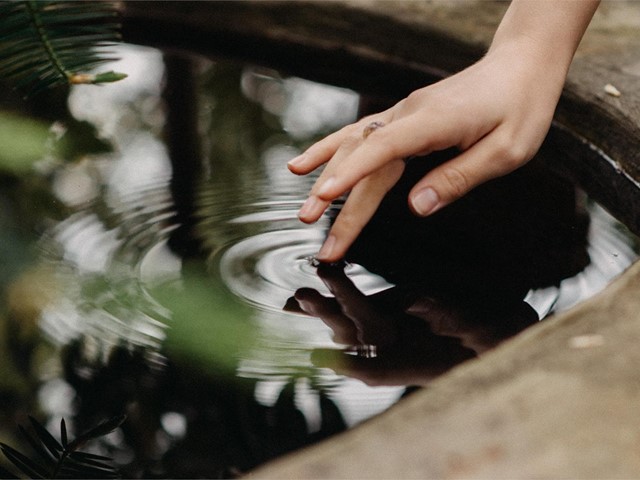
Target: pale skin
(496, 112)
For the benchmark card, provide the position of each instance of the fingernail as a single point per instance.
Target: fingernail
(326, 187)
(425, 201)
(327, 248)
(294, 162)
(308, 206)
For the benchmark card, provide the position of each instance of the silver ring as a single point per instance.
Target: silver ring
(366, 350)
(371, 127)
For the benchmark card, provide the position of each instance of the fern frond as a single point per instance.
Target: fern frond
(45, 43)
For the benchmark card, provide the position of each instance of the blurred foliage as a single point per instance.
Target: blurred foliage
(26, 141)
(209, 326)
(23, 140)
(209, 331)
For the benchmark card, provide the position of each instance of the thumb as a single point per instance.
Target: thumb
(452, 180)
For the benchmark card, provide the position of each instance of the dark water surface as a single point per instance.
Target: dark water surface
(178, 286)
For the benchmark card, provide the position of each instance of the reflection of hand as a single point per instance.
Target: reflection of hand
(385, 345)
(390, 343)
(496, 112)
(476, 329)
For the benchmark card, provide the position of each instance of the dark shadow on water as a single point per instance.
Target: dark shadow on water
(522, 231)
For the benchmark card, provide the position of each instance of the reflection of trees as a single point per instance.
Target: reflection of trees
(227, 430)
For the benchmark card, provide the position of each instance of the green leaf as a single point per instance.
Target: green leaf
(63, 433)
(23, 140)
(209, 326)
(62, 462)
(89, 459)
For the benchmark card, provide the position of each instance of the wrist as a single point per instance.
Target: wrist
(547, 32)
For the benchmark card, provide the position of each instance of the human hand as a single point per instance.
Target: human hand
(496, 112)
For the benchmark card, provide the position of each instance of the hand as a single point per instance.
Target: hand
(497, 112)
(392, 341)
(384, 345)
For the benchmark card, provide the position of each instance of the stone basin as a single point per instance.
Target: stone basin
(560, 399)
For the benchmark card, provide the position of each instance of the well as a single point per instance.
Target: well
(559, 400)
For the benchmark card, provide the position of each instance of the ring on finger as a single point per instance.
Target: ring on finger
(371, 127)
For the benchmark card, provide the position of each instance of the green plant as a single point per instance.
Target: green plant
(44, 43)
(62, 459)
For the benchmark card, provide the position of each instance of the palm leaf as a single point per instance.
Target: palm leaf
(45, 43)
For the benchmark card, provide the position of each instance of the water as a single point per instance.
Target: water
(196, 308)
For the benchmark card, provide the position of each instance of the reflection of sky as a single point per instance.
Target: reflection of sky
(107, 106)
(314, 108)
(304, 107)
(129, 114)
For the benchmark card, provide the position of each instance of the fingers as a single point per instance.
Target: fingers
(357, 157)
(330, 312)
(493, 156)
(373, 327)
(312, 209)
(323, 150)
(362, 203)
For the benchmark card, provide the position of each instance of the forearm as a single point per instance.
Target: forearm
(548, 29)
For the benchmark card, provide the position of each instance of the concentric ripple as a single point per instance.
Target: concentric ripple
(267, 268)
(104, 259)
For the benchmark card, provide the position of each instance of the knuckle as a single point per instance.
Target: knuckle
(350, 310)
(456, 180)
(512, 153)
(419, 96)
(347, 222)
(350, 141)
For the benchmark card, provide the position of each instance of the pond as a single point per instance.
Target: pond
(163, 273)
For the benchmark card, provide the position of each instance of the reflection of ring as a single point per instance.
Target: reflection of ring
(371, 127)
(366, 350)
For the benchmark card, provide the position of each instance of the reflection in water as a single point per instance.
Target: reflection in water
(241, 349)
